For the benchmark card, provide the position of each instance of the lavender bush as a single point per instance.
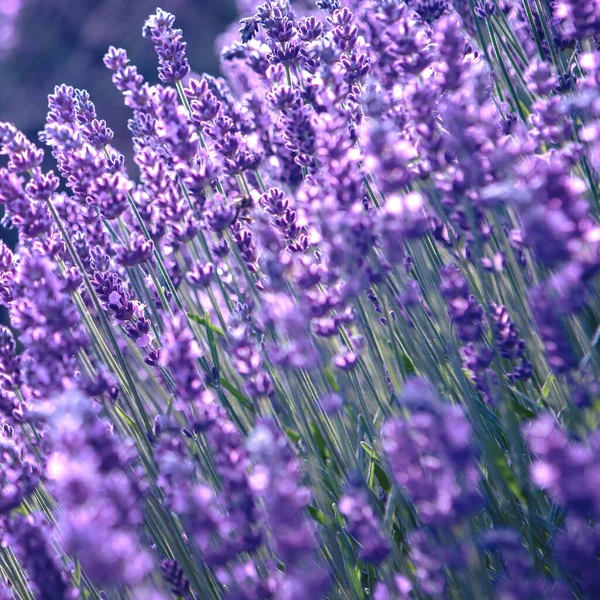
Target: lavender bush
(338, 339)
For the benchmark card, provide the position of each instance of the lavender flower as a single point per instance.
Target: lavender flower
(464, 311)
(520, 580)
(179, 354)
(566, 470)
(216, 368)
(429, 565)
(99, 495)
(276, 480)
(431, 456)
(29, 537)
(363, 525)
(10, 361)
(50, 327)
(578, 548)
(19, 472)
(578, 20)
(173, 64)
(173, 574)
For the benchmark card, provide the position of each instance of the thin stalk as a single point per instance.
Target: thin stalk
(100, 312)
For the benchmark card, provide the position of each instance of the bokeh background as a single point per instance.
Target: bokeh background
(47, 42)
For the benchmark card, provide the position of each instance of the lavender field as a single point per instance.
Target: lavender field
(334, 331)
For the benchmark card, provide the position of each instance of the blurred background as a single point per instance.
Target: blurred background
(47, 42)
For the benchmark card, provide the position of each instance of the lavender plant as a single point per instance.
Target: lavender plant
(338, 336)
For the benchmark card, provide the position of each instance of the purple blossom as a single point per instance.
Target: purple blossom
(313, 201)
(520, 579)
(19, 472)
(179, 354)
(429, 565)
(566, 470)
(578, 548)
(363, 525)
(50, 327)
(173, 64)
(174, 576)
(276, 479)
(578, 19)
(99, 495)
(430, 10)
(431, 456)
(465, 312)
(139, 251)
(30, 538)
(507, 339)
(10, 361)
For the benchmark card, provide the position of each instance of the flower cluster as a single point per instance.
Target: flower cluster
(338, 336)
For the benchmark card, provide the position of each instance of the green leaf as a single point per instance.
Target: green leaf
(236, 394)
(319, 516)
(331, 379)
(369, 450)
(547, 386)
(319, 441)
(202, 321)
(382, 477)
(352, 572)
(294, 436)
(522, 410)
(509, 478)
(408, 365)
(211, 341)
(126, 417)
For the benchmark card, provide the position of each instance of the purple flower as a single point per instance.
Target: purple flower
(431, 456)
(139, 251)
(42, 185)
(22, 154)
(400, 590)
(520, 579)
(179, 355)
(567, 470)
(363, 525)
(173, 64)
(449, 39)
(403, 218)
(10, 361)
(331, 403)
(29, 537)
(201, 275)
(549, 319)
(100, 497)
(430, 10)
(578, 549)
(578, 19)
(429, 564)
(276, 480)
(174, 576)
(554, 212)
(172, 126)
(19, 471)
(541, 77)
(465, 312)
(223, 525)
(346, 155)
(49, 324)
(506, 334)
(109, 193)
(115, 58)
